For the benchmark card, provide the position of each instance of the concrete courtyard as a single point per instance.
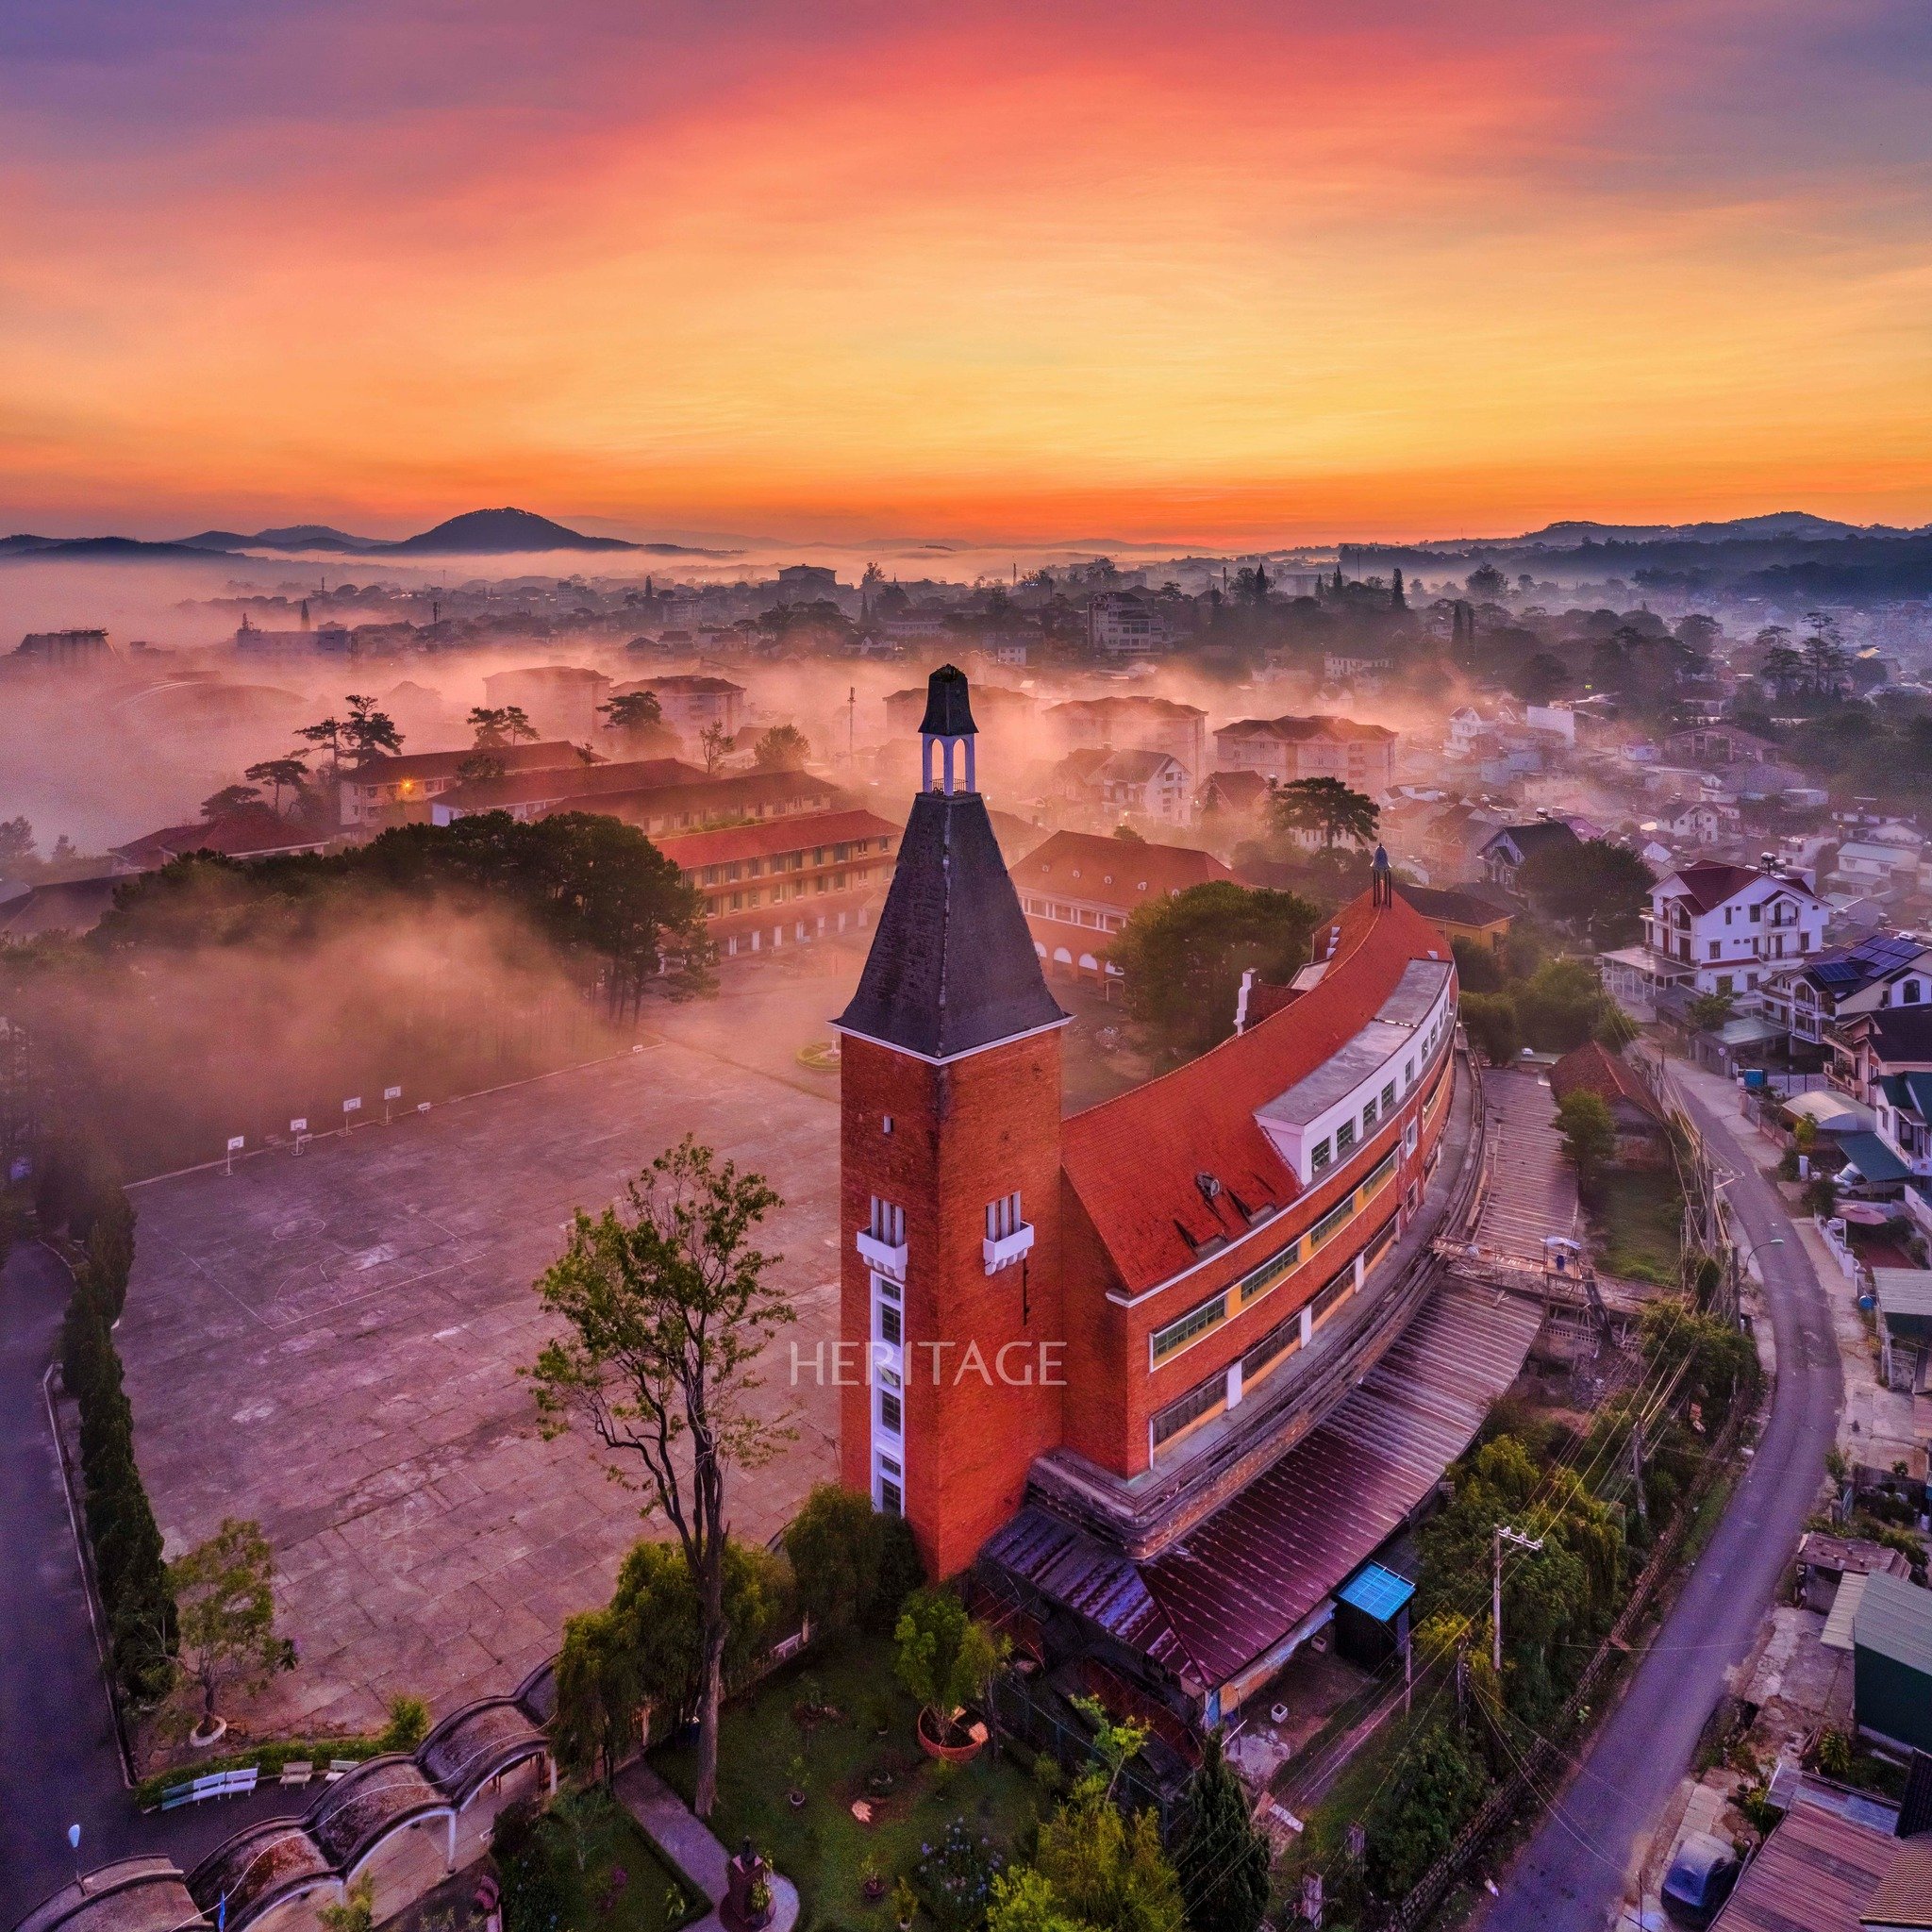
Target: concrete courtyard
(329, 1344)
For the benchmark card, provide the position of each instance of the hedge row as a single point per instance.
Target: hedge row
(121, 1525)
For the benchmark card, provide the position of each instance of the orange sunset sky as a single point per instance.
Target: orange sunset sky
(1223, 273)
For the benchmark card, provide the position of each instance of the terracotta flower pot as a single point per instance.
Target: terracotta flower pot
(950, 1753)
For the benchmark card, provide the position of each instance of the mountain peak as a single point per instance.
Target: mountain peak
(480, 531)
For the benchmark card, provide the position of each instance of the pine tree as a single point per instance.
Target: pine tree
(1396, 596)
(1221, 1858)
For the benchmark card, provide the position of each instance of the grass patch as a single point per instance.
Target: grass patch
(1640, 1216)
(606, 1874)
(823, 1848)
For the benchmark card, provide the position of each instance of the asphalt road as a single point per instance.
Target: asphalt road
(1571, 1876)
(58, 1761)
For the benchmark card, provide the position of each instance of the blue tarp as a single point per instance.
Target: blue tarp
(1377, 1593)
(1872, 1157)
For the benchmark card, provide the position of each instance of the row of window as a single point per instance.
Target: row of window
(1075, 915)
(1377, 1108)
(798, 889)
(1267, 1353)
(885, 1221)
(729, 871)
(1176, 1335)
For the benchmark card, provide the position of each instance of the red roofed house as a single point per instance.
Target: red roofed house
(787, 880)
(1111, 1362)
(253, 832)
(1643, 1130)
(1078, 889)
(397, 791)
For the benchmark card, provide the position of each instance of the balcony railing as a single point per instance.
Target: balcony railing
(881, 1256)
(1007, 1248)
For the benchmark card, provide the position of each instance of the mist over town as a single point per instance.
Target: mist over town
(967, 972)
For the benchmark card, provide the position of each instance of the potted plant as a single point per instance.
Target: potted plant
(871, 1882)
(795, 1796)
(946, 1660)
(879, 1781)
(760, 1899)
(905, 1904)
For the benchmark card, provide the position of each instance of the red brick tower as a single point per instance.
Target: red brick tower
(950, 1175)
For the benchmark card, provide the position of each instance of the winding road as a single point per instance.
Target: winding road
(1573, 1875)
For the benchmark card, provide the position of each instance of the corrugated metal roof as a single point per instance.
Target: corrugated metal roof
(1895, 1619)
(1837, 1634)
(1242, 1578)
(1872, 1157)
(1905, 1894)
(1903, 1291)
(1814, 1875)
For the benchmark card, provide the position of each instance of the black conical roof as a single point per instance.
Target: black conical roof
(948, 710)
(952, 965)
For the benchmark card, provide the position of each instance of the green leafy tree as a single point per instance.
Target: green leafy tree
(1489, 1019)
(1561, 1004)
(1712, 1010)
(228, 801)
(224, 1592)
(783, 748)
(666, 1309)
(1590, 1136)
(1183, 956)
(1438, 1783)
(480, 768)
(601, 1692)
(1325, 806)
(1221, 1860)
(355, 1912)
(944, 1659)
(325, 735)
(1615, 1028)
(16, 848)
(852, 1564)
(1594, 888)
(714, 741)
(1557, 1603)
(1106, 1871)
(367, 731)
(632, 710)
(288, 774)
(407, 1726)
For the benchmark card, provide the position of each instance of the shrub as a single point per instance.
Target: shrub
(408, 1724)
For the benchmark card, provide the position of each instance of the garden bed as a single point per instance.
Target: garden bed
(822, 1847)
(587, 1860)
(1639, 1215)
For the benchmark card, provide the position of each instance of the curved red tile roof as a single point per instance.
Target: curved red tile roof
(1132, 1162)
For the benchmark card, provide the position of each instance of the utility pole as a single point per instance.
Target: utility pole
(1503, 1534)
(851, 724)
(1636, 1468)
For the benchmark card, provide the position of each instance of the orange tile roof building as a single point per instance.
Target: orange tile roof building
(787, 880)
(1079, 889)
(1287, 749)
(1073, 1350)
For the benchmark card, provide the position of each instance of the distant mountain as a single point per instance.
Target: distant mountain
(1788, 526)
(487, 532)
(98, 548)
(290, 537)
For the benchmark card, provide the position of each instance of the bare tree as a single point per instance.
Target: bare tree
(667, 1309)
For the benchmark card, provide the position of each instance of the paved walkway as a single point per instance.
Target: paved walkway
(668, 1823)
(1589, 1850)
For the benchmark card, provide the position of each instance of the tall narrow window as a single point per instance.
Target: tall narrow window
(1003, 1216)
(888, 1223)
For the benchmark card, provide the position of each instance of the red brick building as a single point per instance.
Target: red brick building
(787, 880)
(1095, 1333)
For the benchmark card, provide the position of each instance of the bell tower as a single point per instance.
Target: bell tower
(952, 1350)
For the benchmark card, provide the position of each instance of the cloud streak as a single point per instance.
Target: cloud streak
(1236, 272)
